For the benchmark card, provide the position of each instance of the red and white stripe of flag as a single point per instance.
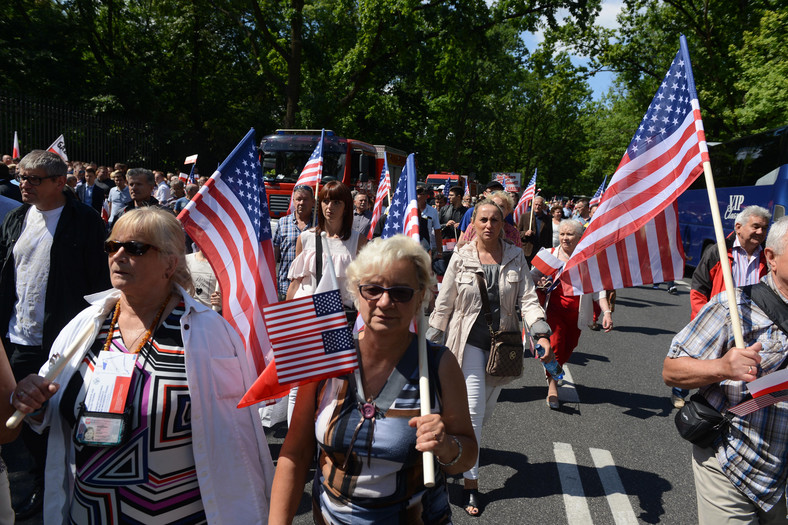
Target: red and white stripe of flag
(305, 358)
(546, 263)
(15, 152)
(59, 148)
(289, 319)
(384, 188)
(216, 220)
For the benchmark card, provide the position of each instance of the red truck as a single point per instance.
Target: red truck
(354, 162)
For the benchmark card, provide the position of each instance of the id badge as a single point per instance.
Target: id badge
(97, 429)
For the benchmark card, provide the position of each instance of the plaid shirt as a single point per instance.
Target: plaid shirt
(285, 239)
(753, 451)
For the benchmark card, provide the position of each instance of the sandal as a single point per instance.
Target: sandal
(553, 402)
(471, 504)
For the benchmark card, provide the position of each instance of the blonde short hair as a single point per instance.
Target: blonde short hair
(375, 258)
(159, 228)
(506, 197)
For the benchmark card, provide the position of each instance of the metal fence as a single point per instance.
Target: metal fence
(88, 136)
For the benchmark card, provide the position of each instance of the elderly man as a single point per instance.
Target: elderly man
(748, 265)
(540, 234)
(141, 183)
(741, 478)
(52, 255)
(286, 236)
(362, 215)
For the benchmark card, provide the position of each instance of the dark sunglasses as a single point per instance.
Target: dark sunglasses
(131, 247)
(397, 294)
(34, 181)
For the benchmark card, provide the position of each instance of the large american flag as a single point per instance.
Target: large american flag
(313, 170)
(597, 198)
(311, 338)
(633, 237)
(384, 187)
(528, 194)
(229, 221)
(403, 215)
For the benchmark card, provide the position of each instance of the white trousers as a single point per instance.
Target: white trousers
(6, 511)
(481, 398)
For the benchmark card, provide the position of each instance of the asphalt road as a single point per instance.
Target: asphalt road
(611, 455)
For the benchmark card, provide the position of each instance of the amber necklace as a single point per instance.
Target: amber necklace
(148, 333)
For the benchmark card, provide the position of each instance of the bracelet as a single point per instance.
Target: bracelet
(608, 312)
(456, 458)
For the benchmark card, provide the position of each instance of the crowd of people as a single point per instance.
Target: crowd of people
(95, 266)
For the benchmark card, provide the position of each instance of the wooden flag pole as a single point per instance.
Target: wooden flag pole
(723, 251)
(424, 395)
(531, 223)
(59, 362)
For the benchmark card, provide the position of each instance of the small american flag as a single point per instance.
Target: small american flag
(229, 221)
(384, 187)
(313, 170)
(528, 194)
(446, 188)
(311, 338)
(625, 241)
(467, 189)
(597, 198)
(403, 216)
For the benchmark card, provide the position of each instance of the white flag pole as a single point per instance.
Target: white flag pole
(424, 395)
(723, 251)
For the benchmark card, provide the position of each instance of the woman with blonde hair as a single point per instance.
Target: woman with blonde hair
(186, 369)
(366, 426)
(510, 232)
(498, 269)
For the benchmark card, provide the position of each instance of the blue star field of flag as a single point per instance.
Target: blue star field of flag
(668, 109)
(338, 340)
(399, 202)
(242, 173)
(327, 303)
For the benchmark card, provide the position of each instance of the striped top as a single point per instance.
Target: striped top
(383, 480)
(745, 268)
(151, 478)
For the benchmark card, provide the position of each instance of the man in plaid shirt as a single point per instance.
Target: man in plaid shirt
(287, 232)
(742, 477)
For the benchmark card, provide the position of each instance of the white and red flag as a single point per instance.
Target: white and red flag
(384, 188)
(528, 195)
(229, 221)
(620, 248)
(311, 341)
(403, 215)
(547, 264)
(15, 152)
(59, 148)
(191, 159)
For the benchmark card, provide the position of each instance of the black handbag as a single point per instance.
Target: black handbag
(506, 347)
(697, 421)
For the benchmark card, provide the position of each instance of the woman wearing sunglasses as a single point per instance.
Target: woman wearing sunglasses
(458, 317)
(145, 411)
(366, 426)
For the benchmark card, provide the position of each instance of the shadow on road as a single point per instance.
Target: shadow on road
(645, 330)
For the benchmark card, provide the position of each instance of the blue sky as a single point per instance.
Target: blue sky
(607, 18)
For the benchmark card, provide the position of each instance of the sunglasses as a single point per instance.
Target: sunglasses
(397, 294)
(131, 247)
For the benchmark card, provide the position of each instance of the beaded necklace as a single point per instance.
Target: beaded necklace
(148, 333)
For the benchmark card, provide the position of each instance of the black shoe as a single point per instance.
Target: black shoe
(471, 502)
(673, 290)
(33, 505)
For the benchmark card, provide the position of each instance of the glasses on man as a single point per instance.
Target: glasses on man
(33, 180)
(131, 247)
(397, 294)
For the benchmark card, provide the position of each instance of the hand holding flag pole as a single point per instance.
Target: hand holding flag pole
(424, 395)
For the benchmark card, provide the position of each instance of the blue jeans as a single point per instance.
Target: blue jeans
(682, 393)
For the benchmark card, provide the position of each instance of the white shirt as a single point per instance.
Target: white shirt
(118, 199)
(162, 193)
(31, 274)
(745, 267)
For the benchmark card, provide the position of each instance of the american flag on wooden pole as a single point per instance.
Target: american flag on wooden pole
(528, 194)
(403, 215)
(229, 221)
(633, 237)
(384, 189)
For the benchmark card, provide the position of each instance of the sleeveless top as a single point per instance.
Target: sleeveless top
(151, 478)
(342, 254)
(382, 482)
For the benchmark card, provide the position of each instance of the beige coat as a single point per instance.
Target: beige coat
(459, 302)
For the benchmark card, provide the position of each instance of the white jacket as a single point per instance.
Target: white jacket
(233, 463)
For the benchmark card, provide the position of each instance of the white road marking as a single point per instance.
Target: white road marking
(620, 506)
(577, 511)
(567, 391)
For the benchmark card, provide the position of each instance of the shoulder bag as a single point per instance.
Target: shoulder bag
(697, 421)
(506, 348)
